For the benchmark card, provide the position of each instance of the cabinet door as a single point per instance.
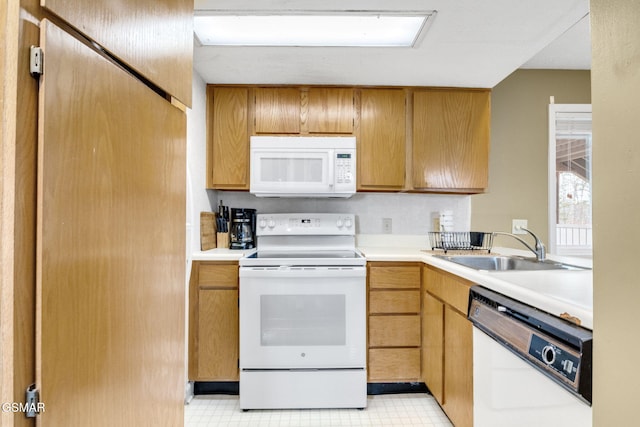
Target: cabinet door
(277, 110)
(330, 110)
(432, 345)
(218, 335)
(458, 368)
(381, 146)
(451, 140)
(153, 37)
(111, 243)
(227, 138)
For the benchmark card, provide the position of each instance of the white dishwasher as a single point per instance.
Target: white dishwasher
(529, 368)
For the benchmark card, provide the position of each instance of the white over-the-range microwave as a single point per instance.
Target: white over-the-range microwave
(303, 166)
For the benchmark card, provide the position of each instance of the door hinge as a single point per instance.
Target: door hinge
(33, 406)
(35, 62)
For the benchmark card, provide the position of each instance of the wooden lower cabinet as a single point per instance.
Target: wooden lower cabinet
(447, 344)
(394, 327)
(213, 322)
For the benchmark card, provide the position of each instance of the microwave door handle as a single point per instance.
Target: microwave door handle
(332, 162)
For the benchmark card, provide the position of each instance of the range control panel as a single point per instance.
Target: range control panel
(306, 224)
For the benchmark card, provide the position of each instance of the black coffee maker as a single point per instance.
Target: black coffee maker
(243, 228)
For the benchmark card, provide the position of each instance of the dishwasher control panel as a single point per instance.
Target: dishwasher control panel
(555, 357)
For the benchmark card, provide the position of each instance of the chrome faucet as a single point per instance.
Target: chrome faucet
(539, 250)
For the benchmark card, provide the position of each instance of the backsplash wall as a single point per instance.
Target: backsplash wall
(409, 213)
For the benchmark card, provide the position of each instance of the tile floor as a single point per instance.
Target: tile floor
(401, 410)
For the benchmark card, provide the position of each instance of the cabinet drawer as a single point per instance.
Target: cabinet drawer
(218, 275)
(394, 276)
(394, 364)
(388, 302)
(394, 331)
(448, 288)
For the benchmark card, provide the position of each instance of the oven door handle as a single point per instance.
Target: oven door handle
(290, 271)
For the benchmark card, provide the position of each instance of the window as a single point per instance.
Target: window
(570, 200)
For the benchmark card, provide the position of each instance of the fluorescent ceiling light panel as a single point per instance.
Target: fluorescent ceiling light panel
(333, 30)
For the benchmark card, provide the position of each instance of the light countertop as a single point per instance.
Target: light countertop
(219, 254)
(554, 291)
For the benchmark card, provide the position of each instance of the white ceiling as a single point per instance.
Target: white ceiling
(570, 51)
(470, 43)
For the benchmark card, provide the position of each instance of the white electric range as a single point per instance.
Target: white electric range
(303, 315)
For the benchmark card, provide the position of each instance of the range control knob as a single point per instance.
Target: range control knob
(271, 223)
(348, 223)
(339, 223)
(262, 223)
(548, 354)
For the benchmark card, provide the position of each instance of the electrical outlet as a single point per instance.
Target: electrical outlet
(517, 225)
(386, 225)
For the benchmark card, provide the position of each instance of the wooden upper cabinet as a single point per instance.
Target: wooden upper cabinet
(382, 140)
(158, 42)
(330, 110)
(227, 138)
(443, 135)
(277, 110)
(451, 140)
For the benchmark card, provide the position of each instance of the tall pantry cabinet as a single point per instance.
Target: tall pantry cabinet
(110, 227)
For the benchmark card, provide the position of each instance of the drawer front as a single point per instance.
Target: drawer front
(394, 302)
(218, 275)
(448, 288)
(394, 364)
(394, 331)
(383, 276)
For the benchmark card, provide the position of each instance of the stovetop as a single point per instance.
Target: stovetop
(339, 254)
(303, 258)
(306, 239)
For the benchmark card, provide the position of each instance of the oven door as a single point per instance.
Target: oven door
(302, 317)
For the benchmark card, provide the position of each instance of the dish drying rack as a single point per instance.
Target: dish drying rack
(461, 240)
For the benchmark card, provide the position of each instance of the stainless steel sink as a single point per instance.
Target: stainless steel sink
(507, 263)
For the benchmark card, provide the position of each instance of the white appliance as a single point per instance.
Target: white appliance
(301, 166)
(530, 369)
(303, 315)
